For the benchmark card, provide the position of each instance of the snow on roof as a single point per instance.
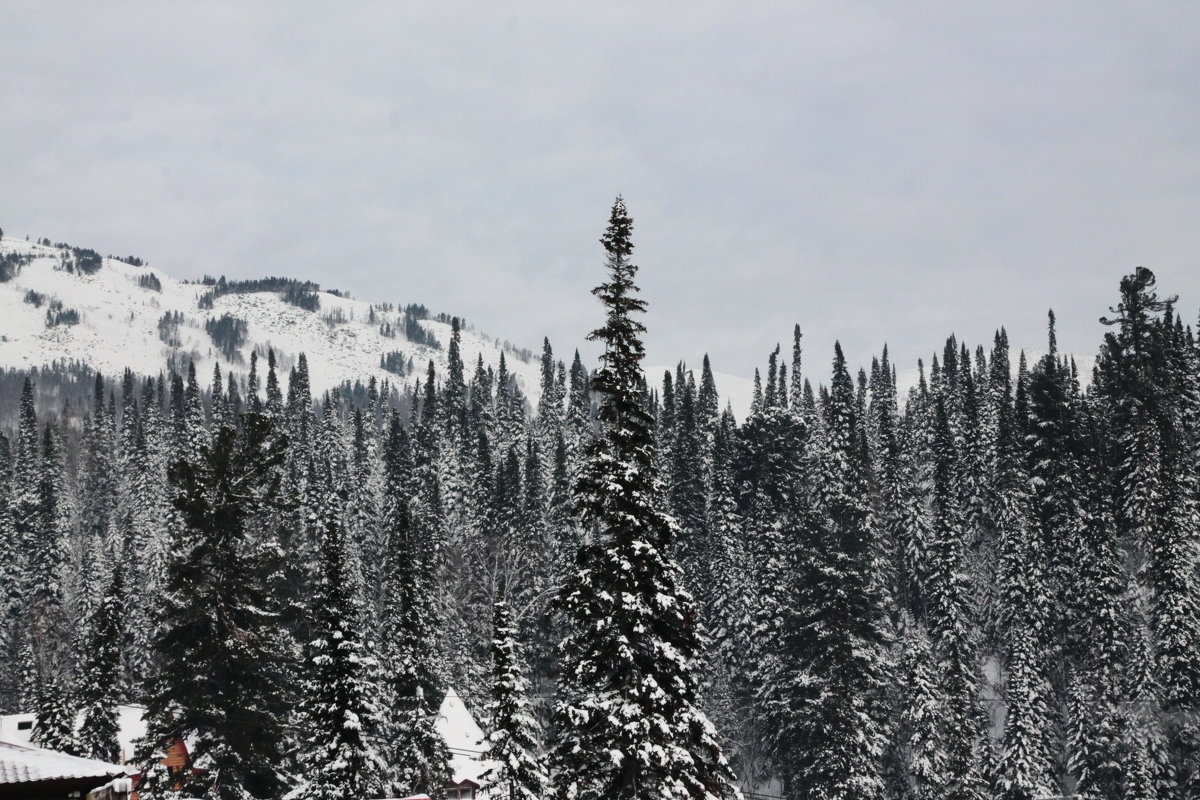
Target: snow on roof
(27, 764)
(454, 723)
(464, 738)
(18, 729)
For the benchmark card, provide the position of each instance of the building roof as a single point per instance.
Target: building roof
(16, 728)
(131, 726)
(464, 739)
(30, 765)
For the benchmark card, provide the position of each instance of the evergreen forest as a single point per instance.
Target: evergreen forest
(986, 588)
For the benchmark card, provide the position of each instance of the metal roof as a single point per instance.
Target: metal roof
(29, 765)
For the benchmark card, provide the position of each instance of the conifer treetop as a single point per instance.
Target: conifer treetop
(620, 372)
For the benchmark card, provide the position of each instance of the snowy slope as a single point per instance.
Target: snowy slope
(119, 327)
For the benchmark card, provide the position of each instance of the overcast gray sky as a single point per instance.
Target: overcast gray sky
(874, 171)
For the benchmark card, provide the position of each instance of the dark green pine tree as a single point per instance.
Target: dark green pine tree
(47, 555)
(770, 459)
(1025, 604)
(301, 421)
(26, 473)
(512, 737)
(28, 682)
(920, 730)
(768, 463)
(1094, 752)
(219, 680)
(10, 584)
(687, 494)
(1024, 768)
(550, 405)
(274, 394)
(579, 414)
(101, 680)
(338, 712)
(219, 407)
(55, 716)
(1174, 553)
(195, 429)
(627, 722)
(833, 731)
(253, 385)
(729, 686)
(1154, 477)
(1052, 447)
(417, 754)
(950, 620)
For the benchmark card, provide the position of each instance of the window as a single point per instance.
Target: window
(25, 725)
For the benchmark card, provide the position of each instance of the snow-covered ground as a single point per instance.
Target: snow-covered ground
(119, 321)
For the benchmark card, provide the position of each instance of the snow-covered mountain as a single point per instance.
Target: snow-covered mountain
(122, 306)
(140, 317)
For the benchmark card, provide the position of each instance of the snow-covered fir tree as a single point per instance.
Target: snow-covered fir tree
(417, 755)
(830, 719)
(219, 682)
(100, 687)
(54, 728)
(338, 711)
(627, 723)
(1029, 534)
(511, 742)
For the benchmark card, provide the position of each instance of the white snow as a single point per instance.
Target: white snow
(119, 328)
(130, 721)
(464, 738)
(22, 764)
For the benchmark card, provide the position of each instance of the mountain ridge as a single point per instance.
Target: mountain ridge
(118, 323)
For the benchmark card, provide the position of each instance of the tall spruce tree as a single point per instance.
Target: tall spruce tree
(338, 711)
(417, 755)
(628, 724)
(950, 623)
(55, 727)
(1024, 768)
(1154, 479)
(219, 683)
(832, 732)
(100, 687)
(921, 710)
(512, 738)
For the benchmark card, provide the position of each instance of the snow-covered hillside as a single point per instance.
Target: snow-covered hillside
(119, 325)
